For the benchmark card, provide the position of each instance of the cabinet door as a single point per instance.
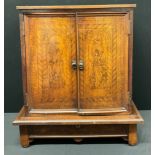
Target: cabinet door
(50, 47)
(103, 47)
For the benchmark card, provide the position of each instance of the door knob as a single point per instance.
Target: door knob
(74, 64)
(81, 65)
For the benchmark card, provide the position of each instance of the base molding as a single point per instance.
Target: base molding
(31, 132)
(34, 126)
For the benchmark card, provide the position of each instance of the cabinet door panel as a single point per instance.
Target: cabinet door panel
(50, 47)
(103, 46)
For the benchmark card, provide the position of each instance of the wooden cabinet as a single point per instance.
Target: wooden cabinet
(77, 72)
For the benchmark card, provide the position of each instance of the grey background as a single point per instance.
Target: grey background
(141, 58)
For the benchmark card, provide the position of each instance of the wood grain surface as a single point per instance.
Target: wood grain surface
(54, 41)
(104, 49)
(78, 6)
(77, 72)
(50, 43)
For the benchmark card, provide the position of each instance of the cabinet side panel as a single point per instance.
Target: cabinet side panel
(23, 57)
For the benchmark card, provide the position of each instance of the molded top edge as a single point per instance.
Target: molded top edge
(76, 7)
